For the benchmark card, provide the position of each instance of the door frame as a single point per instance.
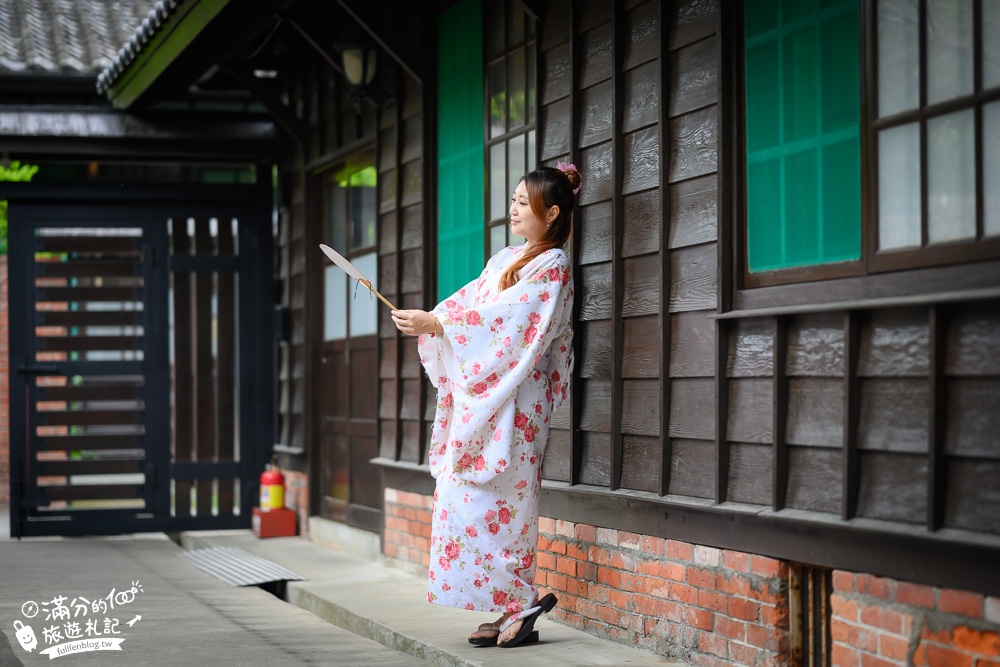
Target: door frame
(352, 514)
(254, 266)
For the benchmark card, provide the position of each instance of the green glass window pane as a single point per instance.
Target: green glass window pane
(762, 86)
(796, 10)
(801, 215)
(840, 70)
(800, 93)
(841, 202)
(802, 129)
(760, 17)
(764, 215)
(461, 153)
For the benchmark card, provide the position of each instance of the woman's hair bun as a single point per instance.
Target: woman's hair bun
(572, 175)
(574, 179)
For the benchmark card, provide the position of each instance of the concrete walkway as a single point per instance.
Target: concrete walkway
(187, 617)
(364, 611)
(388, 604)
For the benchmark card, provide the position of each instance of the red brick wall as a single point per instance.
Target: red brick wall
(4, 391)
(881, 622)
(713, 607)
(407, 535)
(706, 606)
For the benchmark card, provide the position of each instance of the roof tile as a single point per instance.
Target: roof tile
(71, 36)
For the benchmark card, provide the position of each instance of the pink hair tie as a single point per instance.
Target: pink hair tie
(566, 168)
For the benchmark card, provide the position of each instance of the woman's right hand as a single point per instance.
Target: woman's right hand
(414, 322)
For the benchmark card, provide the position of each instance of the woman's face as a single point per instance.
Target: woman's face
(523, 221)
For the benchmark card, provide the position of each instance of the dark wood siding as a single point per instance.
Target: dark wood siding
(645, 239)
(402, 252)
(882, 411)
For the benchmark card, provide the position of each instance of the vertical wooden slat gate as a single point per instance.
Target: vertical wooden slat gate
(142, 358)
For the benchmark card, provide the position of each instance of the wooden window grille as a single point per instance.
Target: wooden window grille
(511, 56)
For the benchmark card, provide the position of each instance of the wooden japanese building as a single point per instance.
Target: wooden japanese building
(786, 402)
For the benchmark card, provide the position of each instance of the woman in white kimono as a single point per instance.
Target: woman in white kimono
(500, 353)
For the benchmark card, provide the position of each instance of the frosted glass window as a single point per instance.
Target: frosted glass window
(336, 229)
(364, 304)
(498, 99)
(518, 88)
(898, 56)
(951, 177)
(899, 187)
(991, 169)
(532, 83)
(991, 44)
(499, 196)
(363, 214)
(498, 239)
(335, 306)
(949, 50)
(513, 98)
(515, 167)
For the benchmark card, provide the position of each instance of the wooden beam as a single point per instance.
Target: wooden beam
(909, 553)
(313, 41)
(535, 8)
(666, 448)
(937, 464)
(282, 114)
(852, 409)
(576, 389)
(779, 414)
(721, 411)
(617, 240)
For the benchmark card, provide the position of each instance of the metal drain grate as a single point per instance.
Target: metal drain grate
(238, 567)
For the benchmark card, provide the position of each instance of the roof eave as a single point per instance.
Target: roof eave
(167, 45)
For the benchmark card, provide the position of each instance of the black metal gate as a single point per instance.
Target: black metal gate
(141, 357)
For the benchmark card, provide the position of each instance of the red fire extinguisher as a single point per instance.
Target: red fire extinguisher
(272, 487)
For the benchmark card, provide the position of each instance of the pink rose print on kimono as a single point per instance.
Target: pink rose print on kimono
(501, 368)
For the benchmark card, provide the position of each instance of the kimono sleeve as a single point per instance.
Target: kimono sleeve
(560, 368)
(434, 350)
(496, 344)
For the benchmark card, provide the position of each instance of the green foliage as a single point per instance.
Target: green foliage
(17, 173)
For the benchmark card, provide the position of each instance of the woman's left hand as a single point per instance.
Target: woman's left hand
(414, 322)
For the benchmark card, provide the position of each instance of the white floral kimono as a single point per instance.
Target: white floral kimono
(501, 368)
